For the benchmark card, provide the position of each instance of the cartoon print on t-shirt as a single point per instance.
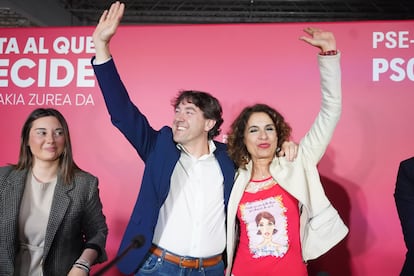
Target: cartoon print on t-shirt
(266, 224)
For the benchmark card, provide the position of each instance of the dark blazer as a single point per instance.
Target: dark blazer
(75, 215)
(404, 199)
(160, 154)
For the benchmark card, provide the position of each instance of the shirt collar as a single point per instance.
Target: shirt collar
(211, 146)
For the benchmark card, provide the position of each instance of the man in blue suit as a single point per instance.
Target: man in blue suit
(187, 178)
(404, 199)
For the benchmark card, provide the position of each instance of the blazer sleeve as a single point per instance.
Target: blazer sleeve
(124, 113)
(94, 221)
(316, 140)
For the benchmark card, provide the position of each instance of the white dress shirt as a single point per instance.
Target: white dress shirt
(191, 221)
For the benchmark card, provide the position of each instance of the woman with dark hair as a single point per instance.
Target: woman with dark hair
(308, 225)
(51, 218)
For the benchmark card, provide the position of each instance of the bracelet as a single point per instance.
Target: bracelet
(329, 53)
(83, 264)
(81, 267)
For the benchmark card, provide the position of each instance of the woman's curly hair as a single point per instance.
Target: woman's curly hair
(236, 147)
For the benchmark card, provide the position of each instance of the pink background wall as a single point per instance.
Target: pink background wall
(240, 64)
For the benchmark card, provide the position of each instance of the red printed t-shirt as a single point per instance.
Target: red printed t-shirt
(269, 233)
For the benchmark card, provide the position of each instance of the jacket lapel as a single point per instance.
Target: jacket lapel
(58, 210)
(228, 170)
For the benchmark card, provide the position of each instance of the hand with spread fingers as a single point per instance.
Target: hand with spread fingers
(106, 29)
(324, 40)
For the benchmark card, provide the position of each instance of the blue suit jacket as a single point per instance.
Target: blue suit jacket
(404, 199)
(160, 154)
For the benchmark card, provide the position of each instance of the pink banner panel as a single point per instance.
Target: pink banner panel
(240, 64)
